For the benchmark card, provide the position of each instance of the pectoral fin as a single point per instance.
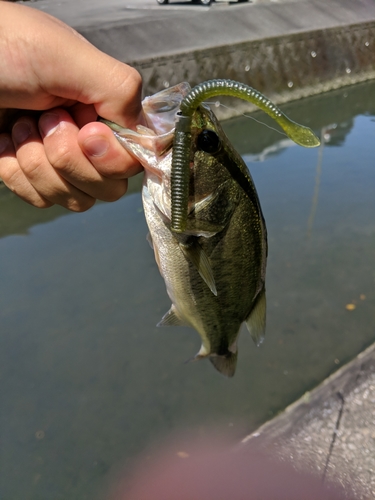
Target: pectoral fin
(256, 322)
(197, 256)
(212, 213)
(171, 319)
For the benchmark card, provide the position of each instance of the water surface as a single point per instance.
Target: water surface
(88, 381)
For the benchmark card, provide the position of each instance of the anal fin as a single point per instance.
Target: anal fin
(256, 321)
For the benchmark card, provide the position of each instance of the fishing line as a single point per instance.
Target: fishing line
(218, 104)
(300, 134)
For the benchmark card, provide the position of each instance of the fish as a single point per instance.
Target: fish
(214, 271)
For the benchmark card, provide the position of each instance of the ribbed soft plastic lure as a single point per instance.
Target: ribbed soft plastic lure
(303, 136)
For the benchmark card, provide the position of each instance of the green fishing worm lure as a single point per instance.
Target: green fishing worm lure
(303, 136)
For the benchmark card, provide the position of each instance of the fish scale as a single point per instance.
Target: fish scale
(214, 265)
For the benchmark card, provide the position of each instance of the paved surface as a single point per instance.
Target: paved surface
(132, 30)
(332, 429)
(98, 13)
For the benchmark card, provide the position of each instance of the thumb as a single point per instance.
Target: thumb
(114, 88)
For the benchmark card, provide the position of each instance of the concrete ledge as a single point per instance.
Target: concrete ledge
(286, 50)
(284, 68)
(331, 430)
(167, 33)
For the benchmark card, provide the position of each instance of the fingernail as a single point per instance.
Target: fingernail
(48, 123)
(4, 143)
(21, 131)
(96, 146)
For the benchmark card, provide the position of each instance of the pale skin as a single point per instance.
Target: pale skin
(58, 153)
(213, 468)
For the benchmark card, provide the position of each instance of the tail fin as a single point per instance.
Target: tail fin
(226, 365)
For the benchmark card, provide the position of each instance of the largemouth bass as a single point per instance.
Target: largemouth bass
(215, 267)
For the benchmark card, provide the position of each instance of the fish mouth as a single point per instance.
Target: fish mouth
(159, 112)
(160, 109)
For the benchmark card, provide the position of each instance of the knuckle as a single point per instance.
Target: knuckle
(113, 197)
(60, 156)
(15, 181)
(40, 203)
(9, 174)
(130, 84)
(32, 167)
(117, 191)
(136, 79)
(80, 205)
(132, 79)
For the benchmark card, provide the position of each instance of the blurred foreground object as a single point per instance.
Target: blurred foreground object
(213, 470)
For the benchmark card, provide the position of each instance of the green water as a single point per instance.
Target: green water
(86, 379)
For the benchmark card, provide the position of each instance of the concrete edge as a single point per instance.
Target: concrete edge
(285, 68)
(343, 381)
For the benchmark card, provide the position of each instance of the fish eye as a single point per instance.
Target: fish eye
(208, 141)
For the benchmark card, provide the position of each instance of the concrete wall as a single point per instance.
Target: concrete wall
(286, 49)
(284, 68)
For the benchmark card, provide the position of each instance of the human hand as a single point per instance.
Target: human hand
(56, 152)
(210, 469)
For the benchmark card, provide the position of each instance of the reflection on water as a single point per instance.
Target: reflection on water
(86, 378)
